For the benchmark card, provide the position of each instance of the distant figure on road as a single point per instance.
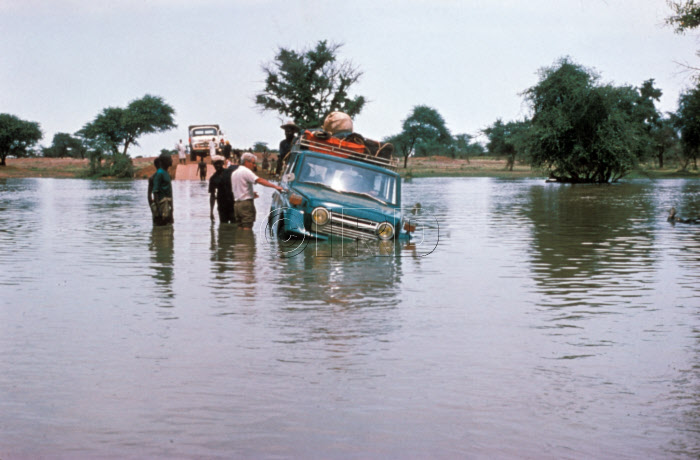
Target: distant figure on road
(212, 147)
(202, 168)
(181, 152)
(290, 130)
(242, 181)
(226, 150)
(220, 191)
(236, 156)
(163, 191)
(266, 161)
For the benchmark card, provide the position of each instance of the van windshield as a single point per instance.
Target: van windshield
(204, 132)
(347, 178)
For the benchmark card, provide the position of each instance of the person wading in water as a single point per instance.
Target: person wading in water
(163, 191)
(220, 191)
(242, 181)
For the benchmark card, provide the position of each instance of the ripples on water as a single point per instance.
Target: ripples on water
(526, 320)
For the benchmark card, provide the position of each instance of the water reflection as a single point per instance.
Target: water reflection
(572, 306)
(344, 274)
(339, 295)
(162, 247)
(245, 270)
(233, 264)
(684, 239)
(590, 248)
(222, 243)
(686, 403)
(20, 217)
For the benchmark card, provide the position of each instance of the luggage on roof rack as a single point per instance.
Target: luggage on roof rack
(353, 146)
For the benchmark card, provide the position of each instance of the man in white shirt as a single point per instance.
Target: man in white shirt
(181, 152)
(212, 147)
(242, 181)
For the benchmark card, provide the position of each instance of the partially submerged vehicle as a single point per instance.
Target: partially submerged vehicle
(344, 187)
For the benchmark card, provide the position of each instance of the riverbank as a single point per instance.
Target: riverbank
(63, 168)
(417, 167)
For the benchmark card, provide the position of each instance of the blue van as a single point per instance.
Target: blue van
(333, 190)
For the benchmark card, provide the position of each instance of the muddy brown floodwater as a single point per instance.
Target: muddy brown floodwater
(525, 320)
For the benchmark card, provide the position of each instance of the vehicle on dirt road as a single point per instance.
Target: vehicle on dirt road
(199, 138)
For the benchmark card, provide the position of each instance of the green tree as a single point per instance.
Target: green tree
(664, 140)
(114, 130)
(507, 139)
(582, 131)
(17, 136)
(646, 106)
(260, 147)
(686, 15)
(65, 145)
(120, 128)
(307, 85)
(403, 146)
(424, 133)
(463, 147)
(687, 121)
(646, 113)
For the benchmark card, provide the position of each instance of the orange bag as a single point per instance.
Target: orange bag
(330, 145)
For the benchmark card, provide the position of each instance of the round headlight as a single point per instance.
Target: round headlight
(385, 231)
(320, 216)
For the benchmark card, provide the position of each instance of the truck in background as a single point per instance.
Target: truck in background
(199, 137)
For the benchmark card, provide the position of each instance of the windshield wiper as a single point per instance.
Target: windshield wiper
(322, 185)
(365, 195)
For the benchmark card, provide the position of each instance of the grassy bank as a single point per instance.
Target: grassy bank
(475, 167)
(417, 167)
(58, 167)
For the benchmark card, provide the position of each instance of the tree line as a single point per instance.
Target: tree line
(105, 140)
(578, 130)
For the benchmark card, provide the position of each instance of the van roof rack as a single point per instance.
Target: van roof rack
(370, 151)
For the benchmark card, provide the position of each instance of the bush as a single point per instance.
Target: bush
(118, 166)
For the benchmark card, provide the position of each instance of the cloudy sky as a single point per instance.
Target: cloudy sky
(63, 61)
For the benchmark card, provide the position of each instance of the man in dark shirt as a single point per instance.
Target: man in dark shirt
(220, 191)
(290, 130)
(202, 169)
(226, 152)
(163, 190)
(155, 212)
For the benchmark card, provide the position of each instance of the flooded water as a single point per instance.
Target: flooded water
(526, 320)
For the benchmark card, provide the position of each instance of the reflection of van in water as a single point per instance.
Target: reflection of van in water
(336, 188)
(200, 135)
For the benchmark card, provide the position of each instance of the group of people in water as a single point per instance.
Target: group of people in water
(230, 187)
